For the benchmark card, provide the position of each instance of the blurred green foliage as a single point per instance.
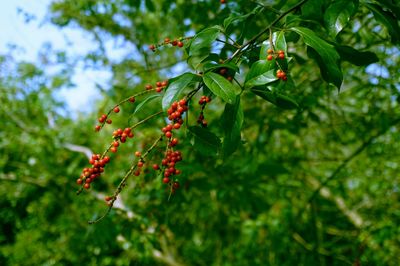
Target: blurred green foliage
(264, 204)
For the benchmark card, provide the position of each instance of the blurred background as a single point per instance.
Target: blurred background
(63, 63)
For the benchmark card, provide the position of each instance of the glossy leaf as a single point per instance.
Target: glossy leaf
(356, 57)
(210, 66)
(278, 99)
(388, 20)
(260, 73)
(280, 42)
(146, 101)
(329, 57)
(176, 87)
(221, 87)
(205, 141)
(338, 15)
(203, 40)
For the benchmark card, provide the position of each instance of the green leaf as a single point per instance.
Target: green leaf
(329, 58)
(146, 101)
(233, 18)
(261, 72)
(278, 99)
(231, 122)
(205, 141)
(221, 87)
(176, 87)
(202, 41)
(356, 57)
(280, 42)
(387, 19)
(210, 66)
(338, 15)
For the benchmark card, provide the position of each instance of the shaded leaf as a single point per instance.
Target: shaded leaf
(356, 57)
(329, 58)
(388, 20)
(231, 122)
(202, 41)
(146, 101)
(205, 141)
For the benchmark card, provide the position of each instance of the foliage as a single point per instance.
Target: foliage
(296, 169)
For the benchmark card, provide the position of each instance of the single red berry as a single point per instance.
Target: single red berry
(167, 40)
(79, 181)
(180, 44)
(230, 78)
(166, 180)
(177, 126)
(178, 172)
(168, 134)
(109, 121)
(174, 42)
(223, 71)
(152, 47)
(159, 89)
(223, 1)
(97, 128)
(164, 83)
(148, 87)
(182, 102)
(113, 149)
(130, 135)
(156, 167)
(86, 185)
(108, 198)
(270, 51)
(115, 143)
(158, 84)
(284, 78)
(116, 109)
(137, 173)
(174, 142)
(140, 164)
(281, 56)
(176, 185)
(269, 57)
(132, 99)
(138, 154)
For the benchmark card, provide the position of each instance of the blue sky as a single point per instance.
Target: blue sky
(29, 37)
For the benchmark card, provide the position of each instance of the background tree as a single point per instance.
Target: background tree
(302, 174)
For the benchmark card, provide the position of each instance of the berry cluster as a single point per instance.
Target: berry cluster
(167, 41)
(280, 54)
(160, 85)
(120, 135)
(280, 74)
(203, 102)
(90, 174)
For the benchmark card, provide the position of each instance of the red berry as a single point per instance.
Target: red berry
(86, 185)
(148, 87)
(158, 84)
(159, 89)
(176, 185)
(132, 99)
(174, 42)
(223, 1)
(182, 102)
(152, 47)
(109, 121)
(140, 164)
(174, 142)
(164, 83)
(156, 167)
(166, 180)
(270, 51)
(116, 109)
(168, 134)
(269, 57)
(115, 143)
(113, 149)
(138, 154)
(180, 44)
(223, 71)
(177, 126)
(79, 181)
(281, 56)
(108, 198)
(137, 173)
(167, 40)
(97, 128)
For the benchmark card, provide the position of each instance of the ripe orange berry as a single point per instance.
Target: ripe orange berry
(116, 109)
(270, 51)
(138, 154)
(269, 57)
(180, 44)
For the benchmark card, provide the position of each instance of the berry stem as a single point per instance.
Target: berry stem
(122, 184)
